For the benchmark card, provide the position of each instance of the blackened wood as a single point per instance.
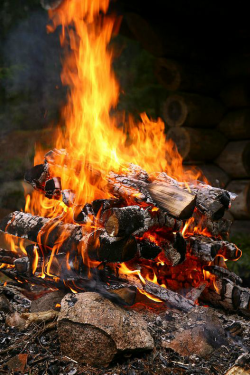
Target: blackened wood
(84, 215)
(7, 256)
(240, 208)
(52, 188)
(229, 250)
(224, 273)
(68, 237)
(37, 176)
(101, 205)
(195, 293)
(148, 249)
(215, 228)
(192, 110)
(172, 298)
(128, 294)
(102, 247)
(235, 159)
(236, 124)
(124, 221)
(177, 202)
(197, 144)
(229, 296)
(22, 266)
(203, 248)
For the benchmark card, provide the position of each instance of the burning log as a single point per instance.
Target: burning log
(192, 110)
(124, 221)
(197, 144)
(172, 298)
(235, 159)
(177, 202)
(215, 228)
(206, 248)
(69, 237)
(210, 201)
(37, 176)
(228, 295)
(224, 273)
(7, 256)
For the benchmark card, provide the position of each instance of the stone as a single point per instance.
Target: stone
(99, 329)
(17, 363)
(4, 304)
(47, 302)
(200, 334)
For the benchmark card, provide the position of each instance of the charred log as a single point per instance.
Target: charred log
(172, 298)
(224, 273)
(124, 221)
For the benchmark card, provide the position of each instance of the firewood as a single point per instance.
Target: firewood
(215, 228)
(25, 225)
(174, 299)
(124, 221)
(102, 247)
(148, 249)
(224, 273)
(177, 202)
(241, 206)
(195, 293)
(37, 176)
(203, 248)
(197, 144)
(229, 296)
(210, 201)
(192, 110)
(7, 256)
(235, 159)
(174, 75)
(53, 188)
(236, 124)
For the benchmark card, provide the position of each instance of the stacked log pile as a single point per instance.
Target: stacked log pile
(144, 225)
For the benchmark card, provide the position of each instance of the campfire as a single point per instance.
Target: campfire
(113, 209)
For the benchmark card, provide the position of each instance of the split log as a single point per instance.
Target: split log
(241, 206)
(68, 237)
(216, 176)
(236, 125)
(210, 201)
(235, 159)
(236, 95)
(174, 75)
(229, 296)
(177, 202)
(197, 144)
(174, 299)
(192, 110)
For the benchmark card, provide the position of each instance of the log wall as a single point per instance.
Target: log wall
(207, 104)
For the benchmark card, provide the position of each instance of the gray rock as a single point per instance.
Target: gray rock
(99, 329)
(47, 302)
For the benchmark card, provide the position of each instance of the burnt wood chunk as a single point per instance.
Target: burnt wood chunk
(217, 228)
(102, 247)
(177, 202)
(172, 298)
(124, 221)
(228, 295)
(37, 176)
(52, 188)
(203, 248)
(222, 272)
(148, 249)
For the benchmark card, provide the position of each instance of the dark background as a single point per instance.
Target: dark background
(208, 40)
